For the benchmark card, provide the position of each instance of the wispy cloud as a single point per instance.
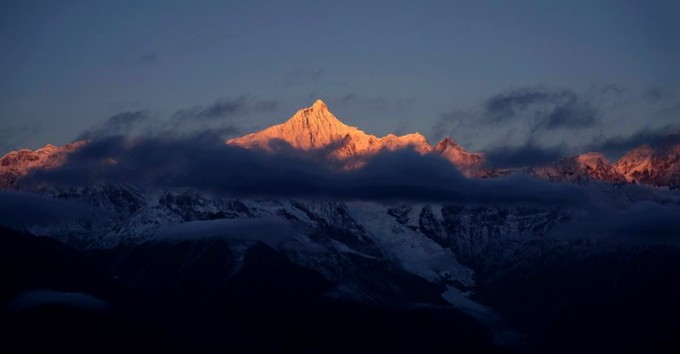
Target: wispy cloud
(516, 117)
(119, 124)
(220, 117)
(225, 108)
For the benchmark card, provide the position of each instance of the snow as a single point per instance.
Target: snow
(415, 252)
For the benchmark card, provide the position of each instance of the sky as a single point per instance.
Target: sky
(529, 78)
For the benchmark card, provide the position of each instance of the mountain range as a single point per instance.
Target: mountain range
(196, 270)
(316, 129)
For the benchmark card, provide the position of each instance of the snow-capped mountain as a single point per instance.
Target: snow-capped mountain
(331, 237)
(16, 164)
(316, 128)
(592, 166)
(468, 162)
(654, 166)
(439, 243)
(201, 247)
(658, 166)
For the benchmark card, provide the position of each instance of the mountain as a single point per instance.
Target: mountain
(206, 266)
(316, 128)
(466, 161)
(658, 166)
(592, 166)
(655, 166)
(315, 275)
(16, 164)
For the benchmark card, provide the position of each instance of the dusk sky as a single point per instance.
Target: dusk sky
(564, 76)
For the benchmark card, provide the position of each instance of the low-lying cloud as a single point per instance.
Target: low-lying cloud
(644, 222)
(21, 209)
(204, 162)
(527, 155)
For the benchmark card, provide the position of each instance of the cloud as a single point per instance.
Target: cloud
(224, 108)
(609, 89)
(618, 145)
(455, 123)
(653, 94)
(118, 124)
(302, 76)
(527, 155)
(643, 222)
(220, 117)
(539, 115)
(541, 109)
(206, 163)
(19, 210)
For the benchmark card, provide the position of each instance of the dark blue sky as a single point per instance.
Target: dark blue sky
(555, 74)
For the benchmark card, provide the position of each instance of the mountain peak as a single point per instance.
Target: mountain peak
(319, 105)
(316, 114)
(316, 127)
(310, 128)
(466, 161)
(18, 163)
(446, 143)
